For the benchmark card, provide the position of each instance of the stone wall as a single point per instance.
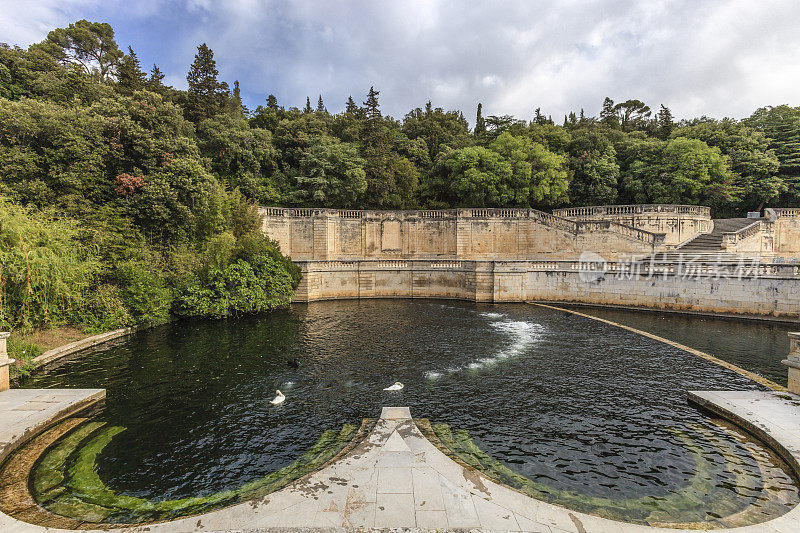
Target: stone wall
(326, 234)
(679, 223)
(767, 290)
(787, 231)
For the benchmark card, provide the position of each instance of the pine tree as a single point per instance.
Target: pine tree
(206, 95)
(372, 107)
(538, 118)
(321, 106)
(350, 106)
(607, 115)
(156, 81)
(665, 122)
(272, 102)
(308, 106)
(480, 124)
(129, 73)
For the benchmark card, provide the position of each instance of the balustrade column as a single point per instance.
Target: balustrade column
(793, 362)
(5, 362)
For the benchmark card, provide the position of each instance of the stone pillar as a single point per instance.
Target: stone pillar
(5, 362)
(793, 362)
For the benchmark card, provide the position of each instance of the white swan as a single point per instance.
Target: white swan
(278, 398)
(397, 386)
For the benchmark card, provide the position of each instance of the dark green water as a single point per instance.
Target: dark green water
(578, 407)
(758, 346)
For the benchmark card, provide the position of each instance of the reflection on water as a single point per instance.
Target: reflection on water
(572, 404)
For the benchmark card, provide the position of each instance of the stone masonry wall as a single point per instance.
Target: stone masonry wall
(761, 290)
(320, 234)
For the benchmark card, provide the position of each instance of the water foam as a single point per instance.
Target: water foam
(522, 335)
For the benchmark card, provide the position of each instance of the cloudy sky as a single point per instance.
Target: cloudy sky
(713, 57)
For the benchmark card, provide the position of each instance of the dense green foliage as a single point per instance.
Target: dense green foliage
(126, 200)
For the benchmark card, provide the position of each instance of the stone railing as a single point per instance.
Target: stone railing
(793, 362)
(732, 238)
(5, 362)
(628, 210)
(547, 219)
(787, 212)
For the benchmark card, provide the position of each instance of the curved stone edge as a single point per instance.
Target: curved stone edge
(761, 380)
(772, 417)
(24, 413)
(396, 478)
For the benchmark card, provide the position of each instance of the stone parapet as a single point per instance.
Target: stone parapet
(715, 287)
(793, 362)
(330, 234)
(5, 362)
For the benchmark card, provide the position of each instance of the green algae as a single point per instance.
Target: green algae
(67, 482)
(698, 501)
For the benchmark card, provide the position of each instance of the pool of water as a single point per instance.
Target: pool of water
(755, 345)
(594, 416)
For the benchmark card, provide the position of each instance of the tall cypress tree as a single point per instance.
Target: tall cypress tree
(321, 106)
(308, 106)
(237, 106)
(206, 95)
(480, 123)
(665, 122)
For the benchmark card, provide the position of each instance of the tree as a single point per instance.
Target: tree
(87, 45)
(754, 164)
(332, 174)
(473, 177)
(156, 81)
(781, 124)
(539, 177)
(632, 114)
(350, 107)
(130, 77)
(595, 171)
(480, 124)
(272, 102)
(607, 115)
(206, 95)
(308, 109)
(372, 110)
(664, 122)
(437, 127)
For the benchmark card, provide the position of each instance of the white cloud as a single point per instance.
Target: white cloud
(720, 58)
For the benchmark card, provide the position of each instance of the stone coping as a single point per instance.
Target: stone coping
(27, 412)
(67, 349)
(397, 479)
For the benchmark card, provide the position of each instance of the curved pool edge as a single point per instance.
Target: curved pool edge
(396, 478)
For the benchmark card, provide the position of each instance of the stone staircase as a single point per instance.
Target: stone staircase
(712, 242)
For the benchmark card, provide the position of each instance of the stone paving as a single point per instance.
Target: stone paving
(396, 478)
(25, 412)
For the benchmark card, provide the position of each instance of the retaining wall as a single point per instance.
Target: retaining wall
(766, 290)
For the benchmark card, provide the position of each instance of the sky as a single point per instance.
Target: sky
(720, 58)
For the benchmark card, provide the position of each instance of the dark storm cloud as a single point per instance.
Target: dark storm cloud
(721, 58)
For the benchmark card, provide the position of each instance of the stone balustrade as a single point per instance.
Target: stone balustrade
(5, 362)
(473, 233)
(793, 362)
(636, 209)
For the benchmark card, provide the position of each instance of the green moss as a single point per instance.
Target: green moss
(67, 480)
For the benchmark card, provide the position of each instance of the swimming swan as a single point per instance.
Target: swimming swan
(397, 386)
(278, 398)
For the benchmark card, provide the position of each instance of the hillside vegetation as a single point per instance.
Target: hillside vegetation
(124, 201)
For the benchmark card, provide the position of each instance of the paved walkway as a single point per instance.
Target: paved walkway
(25, 412)
(396, 478)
